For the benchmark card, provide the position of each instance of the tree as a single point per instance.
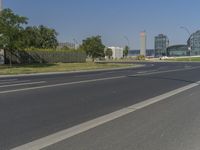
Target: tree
(48, 37)
(108, 52)
(65, 48)
(125, 52)
(40, 37)
(11, 31)
(93, 47)
(32, 37)
(13, 35)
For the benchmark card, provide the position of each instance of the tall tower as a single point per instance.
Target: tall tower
(143, 43)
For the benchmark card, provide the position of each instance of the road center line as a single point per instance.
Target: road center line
(65, 134)
(61, 84)
(147, 71)
(6, 80)
(19, 84)
(167, 71)
(12, 82)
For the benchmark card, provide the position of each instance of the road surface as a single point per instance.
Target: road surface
(34, 107)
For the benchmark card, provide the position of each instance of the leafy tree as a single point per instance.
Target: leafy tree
(48, 37)
(65, 48)
(32, 37)
(13, 35)
(40, 37)
(94, 47)
(11, 31)
(108, 52)
(125, 52)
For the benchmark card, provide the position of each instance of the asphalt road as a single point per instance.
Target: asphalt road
(173, 124)
(32, 107)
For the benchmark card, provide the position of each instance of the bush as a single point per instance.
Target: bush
(140, 57)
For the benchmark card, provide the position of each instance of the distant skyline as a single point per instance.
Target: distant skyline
(113, 19)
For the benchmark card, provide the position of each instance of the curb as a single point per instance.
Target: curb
(70, 72)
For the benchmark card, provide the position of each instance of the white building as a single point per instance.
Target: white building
(1, 56)
(117, 52)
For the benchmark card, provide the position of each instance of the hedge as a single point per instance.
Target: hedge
(46, 56)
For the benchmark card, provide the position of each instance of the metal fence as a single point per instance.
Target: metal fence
(45, 56)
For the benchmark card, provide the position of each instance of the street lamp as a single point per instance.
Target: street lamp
(189, 33)
(126, 38)
(186, 29)
(76, 43)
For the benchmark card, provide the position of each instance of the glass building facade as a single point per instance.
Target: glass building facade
(177, 50)
(149, 52)
(194, 43)
(161, 44)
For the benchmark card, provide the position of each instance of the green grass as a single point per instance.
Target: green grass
(193, 59)
(59, 67)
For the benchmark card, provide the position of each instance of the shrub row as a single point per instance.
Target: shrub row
(140, 57)
(46, 56)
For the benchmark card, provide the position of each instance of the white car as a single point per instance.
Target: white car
(163, 57)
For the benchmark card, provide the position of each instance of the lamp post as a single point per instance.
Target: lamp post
(76, 43)
(189, 33)
(128, 42)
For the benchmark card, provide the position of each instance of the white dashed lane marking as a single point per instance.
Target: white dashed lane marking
(8, 80)
(21, 84)
(13, 82)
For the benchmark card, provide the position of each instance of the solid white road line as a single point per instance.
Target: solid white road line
(20, 84)
(65, 134)
(61, 84)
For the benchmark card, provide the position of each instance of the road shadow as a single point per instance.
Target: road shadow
(162, 78)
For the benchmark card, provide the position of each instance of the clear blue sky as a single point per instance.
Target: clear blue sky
(112, 19)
